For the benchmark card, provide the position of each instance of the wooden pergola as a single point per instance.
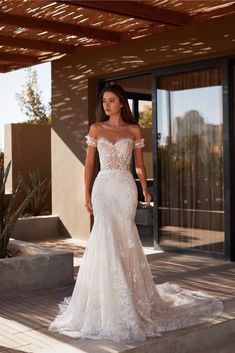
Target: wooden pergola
(33, 32)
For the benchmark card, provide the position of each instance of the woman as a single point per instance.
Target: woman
(115, 296)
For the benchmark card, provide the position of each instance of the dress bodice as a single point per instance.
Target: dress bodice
(115, 155)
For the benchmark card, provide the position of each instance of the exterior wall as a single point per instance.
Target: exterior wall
(28, 147)
(74, 94)
(8, 157)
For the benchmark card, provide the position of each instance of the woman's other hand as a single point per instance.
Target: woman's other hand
(147, 198)
(88, 205)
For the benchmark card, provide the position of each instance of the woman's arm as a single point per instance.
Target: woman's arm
(89, 168)
(140, 167)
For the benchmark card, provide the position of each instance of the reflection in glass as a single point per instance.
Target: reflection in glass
(130, 101)
(145, 113)
(190, 157)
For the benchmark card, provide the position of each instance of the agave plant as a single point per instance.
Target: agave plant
(37, 203)
(9, 215)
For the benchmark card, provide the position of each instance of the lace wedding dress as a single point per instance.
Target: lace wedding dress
(115, 296)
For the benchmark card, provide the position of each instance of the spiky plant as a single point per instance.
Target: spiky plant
(37, 203)
(9, 215)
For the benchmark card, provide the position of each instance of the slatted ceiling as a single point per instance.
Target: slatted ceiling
(216, 13)
(25, 44)
(76, 15)
(143, 32)
(136, 9)
(39, 38)
(28, 52)
(17, 58)
(45, 26)
(31, 34)
(191, 7)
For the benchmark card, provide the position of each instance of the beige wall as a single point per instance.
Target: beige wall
(28, 147)
(8, 156)
(74, 94)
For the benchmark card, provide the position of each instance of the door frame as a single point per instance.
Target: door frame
(226, 63)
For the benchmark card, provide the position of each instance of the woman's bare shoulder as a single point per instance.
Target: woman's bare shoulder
(94, 128)
(136, 131)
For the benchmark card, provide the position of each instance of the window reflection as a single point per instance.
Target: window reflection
(130, 101)
(145, 113)
(190, 154)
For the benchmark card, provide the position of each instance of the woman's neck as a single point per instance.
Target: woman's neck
(115, 121)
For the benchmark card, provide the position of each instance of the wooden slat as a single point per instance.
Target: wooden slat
(136, 10)
(4, 68)
(18, 58)
(224, 11)
(35, 44)
(58, 27)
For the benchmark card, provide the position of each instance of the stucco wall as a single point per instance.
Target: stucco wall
(28, 147)
(74, 94)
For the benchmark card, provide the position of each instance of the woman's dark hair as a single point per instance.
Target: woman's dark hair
(125, 111)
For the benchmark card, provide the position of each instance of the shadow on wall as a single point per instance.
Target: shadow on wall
(28, 147)
(74, 77)
(74, 99)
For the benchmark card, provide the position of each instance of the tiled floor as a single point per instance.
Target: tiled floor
(24, 318)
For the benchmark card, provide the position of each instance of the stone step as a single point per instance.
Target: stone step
(196, 340)
(224, 347)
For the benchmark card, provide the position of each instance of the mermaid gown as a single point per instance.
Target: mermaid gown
(115, 296)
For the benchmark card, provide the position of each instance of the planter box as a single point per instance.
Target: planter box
(39, 228)
(40, 268)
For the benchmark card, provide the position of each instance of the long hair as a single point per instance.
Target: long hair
(125, 110)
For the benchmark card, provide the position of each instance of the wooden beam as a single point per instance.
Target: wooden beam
(4, 68)
(214, 14)
(19, 42)
(135, 9)
(18, 58)
(58, 27)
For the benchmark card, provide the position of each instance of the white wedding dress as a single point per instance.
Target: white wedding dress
(115, 296)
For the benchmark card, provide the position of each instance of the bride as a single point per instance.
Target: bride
(115, 296)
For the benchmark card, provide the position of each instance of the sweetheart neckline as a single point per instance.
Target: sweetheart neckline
(115, 142)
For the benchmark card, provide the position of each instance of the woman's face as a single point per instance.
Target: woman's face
(111, 104)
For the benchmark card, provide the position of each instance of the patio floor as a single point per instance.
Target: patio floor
(24, 318)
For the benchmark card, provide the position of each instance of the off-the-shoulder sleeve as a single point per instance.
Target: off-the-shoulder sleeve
(91, 141)
(139, 143)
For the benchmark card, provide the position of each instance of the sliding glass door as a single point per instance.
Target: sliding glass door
(190, 160)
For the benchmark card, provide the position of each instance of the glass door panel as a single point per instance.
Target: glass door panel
(190, 160)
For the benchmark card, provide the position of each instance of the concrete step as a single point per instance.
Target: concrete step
(225, 347)
(206, 338)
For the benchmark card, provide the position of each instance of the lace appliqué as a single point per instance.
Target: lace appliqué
(91, 141)
(115, 155)
(139, 143)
